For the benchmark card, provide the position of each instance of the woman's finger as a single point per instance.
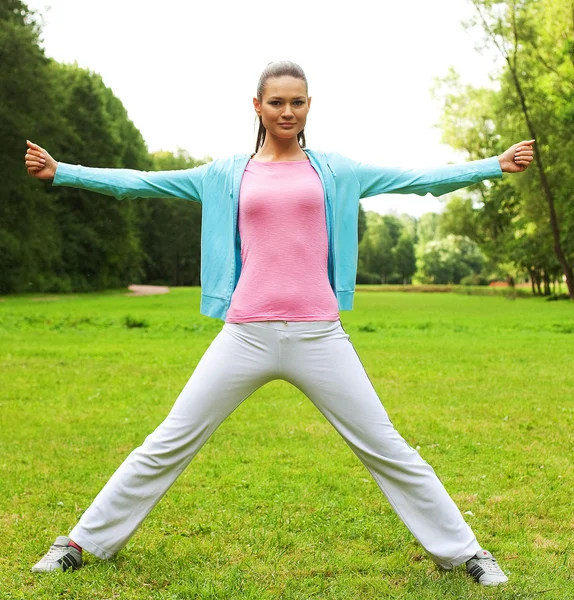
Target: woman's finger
(32, 145)
(34, 164)
(33, 152)
(35, 156)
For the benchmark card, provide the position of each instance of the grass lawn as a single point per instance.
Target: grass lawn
(276, 505)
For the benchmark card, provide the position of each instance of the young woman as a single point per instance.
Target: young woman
(279, 259)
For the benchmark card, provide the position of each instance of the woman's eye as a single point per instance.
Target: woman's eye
(299, 102)
(274, 103)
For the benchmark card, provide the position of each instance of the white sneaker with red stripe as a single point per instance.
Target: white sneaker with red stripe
(59, 557)
(485, 570)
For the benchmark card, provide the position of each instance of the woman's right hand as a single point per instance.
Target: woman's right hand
(39, 163)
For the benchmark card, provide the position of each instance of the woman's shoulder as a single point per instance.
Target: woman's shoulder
(219, 166)
(331, 156)
(340, 165)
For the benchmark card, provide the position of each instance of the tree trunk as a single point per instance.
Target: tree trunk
(532, 282)
(546, 284)
(545, 185)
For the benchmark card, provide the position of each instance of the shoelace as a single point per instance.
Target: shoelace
(490, 565)
(55, 552)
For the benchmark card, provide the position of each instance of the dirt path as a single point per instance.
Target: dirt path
(147, 290)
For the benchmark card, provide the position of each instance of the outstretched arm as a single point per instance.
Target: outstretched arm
(121, 183)
(376, 180)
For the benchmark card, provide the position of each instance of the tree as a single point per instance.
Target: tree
(362, 223)
(500, 215)
(376, 248)
(171, 230)
(405, 258)
(101, 237)
(64, 239)
(535, 39)
(29, 235)
(428, 227)
(448, 260)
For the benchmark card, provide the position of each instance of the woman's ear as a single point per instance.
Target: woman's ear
(309, 101)
(257, 106)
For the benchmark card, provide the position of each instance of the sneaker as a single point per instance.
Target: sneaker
(59, 557)
(485, 570)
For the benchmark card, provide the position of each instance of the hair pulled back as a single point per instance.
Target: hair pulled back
(279, 68)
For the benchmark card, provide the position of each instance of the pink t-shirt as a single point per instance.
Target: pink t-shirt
(284, 246)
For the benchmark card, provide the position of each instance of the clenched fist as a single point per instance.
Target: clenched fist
(39, 163)
(517, 158)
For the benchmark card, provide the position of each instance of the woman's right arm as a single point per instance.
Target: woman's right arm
(121, 183)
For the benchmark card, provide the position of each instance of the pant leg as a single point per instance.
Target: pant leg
(238, 362)
(327, 369)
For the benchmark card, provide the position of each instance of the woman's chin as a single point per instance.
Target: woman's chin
(286, 134)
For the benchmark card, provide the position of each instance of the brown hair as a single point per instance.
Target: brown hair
(278, 68)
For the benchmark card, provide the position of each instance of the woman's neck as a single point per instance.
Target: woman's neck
(278, 150)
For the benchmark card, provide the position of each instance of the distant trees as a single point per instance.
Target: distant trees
(28, 246)
(63, 239)
(171, 230)
(449, 260)
(525, 224)
(386, 251)
(399, 249)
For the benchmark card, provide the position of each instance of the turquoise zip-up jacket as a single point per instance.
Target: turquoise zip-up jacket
(216, 185)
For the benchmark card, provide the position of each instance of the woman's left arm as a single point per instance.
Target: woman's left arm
(376, 180)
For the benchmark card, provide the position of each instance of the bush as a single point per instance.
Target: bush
(474, 279)
(132, 323)
(363, 277)
(554, 297)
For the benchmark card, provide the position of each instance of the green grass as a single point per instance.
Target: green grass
(276, 505)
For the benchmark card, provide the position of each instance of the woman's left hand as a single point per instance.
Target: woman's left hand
(517, 158)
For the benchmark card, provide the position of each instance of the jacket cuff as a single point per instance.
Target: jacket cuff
(489, 168)
(65, 174)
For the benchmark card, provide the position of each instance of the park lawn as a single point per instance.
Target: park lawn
(276, 505)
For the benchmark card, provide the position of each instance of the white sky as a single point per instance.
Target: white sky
(186, 71)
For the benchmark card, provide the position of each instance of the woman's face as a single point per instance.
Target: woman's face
(284, 106)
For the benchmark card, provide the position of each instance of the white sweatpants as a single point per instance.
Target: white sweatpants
(319, 359)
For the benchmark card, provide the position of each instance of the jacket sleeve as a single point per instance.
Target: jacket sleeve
(128, 183)
(375, 180)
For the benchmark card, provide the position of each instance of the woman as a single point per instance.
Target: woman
(279, 258)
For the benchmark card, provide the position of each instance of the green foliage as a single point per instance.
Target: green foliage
(448, 260)
(100, 235)
(362, 223)
(63, 239)
(29, 244)
(512, 219)
(428, 227)
(171, 230)
(376, 248)
(405, 258)
(368, 278)
(474, 279)
(134, 323)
